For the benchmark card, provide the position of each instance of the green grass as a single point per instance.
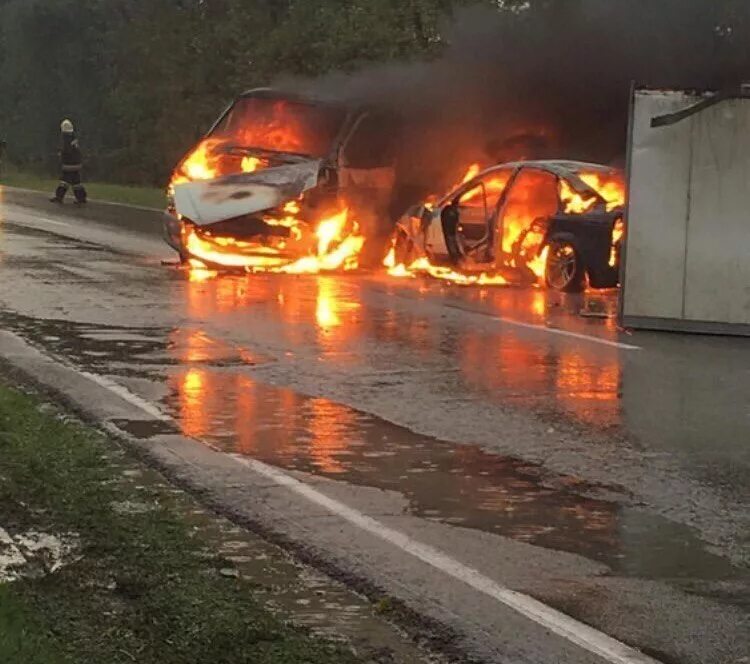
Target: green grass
(152, 197)
(142, 591)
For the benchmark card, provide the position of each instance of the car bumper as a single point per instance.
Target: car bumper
(172, 232)
(187, 240)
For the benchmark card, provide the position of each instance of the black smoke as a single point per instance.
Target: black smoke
(549, 81)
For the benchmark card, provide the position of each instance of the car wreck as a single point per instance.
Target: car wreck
(281, 182)
(558, 222)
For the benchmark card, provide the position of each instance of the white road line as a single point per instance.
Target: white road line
(576, 632)
(564, 333)
(532, 326)
(52, 222)
(568, 628)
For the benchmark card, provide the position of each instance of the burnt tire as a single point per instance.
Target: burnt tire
(564, 270)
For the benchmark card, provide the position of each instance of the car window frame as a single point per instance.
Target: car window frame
(349, 119)
(474, 185)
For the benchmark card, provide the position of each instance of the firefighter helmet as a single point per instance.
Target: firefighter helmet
(66, 127)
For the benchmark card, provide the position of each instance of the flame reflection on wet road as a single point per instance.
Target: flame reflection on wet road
(212, 346)
(499, 364)
(458, 484)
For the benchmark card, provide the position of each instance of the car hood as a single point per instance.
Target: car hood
(208, 201)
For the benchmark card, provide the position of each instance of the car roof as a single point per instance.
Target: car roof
(557, 166)
(566, 168)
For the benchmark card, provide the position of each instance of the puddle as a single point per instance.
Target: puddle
(145, 429)
(131, 351)
(457, 484)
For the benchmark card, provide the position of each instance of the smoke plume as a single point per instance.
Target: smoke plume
(549, 81)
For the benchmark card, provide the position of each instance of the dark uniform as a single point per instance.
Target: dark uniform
(72, 164)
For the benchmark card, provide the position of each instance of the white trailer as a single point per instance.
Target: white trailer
(686, 264)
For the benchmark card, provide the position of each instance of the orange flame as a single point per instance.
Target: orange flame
(337, 245)
(448, 274)
(618, 232)
(200, 164)
(574, 202)
(390, 260)
(250, 164)
(610, 188)
(424, 266)
(332, 243)
(471, 173)
(207, 162)
(538, 265)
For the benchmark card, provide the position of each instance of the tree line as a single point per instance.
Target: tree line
(143, 79)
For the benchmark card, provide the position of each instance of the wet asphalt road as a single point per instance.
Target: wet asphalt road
(606, 474)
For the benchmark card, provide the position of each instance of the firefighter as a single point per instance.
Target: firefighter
(71, 162)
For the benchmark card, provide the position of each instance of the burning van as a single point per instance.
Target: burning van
(560, 222)
(281, 182)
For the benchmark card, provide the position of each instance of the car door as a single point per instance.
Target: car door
(532, 197)
(475, 206)
(367, 172)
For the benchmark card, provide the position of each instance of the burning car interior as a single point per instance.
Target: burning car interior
(557, 222)
(292, 184)
(271, 187)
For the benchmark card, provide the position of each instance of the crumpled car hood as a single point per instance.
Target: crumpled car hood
(207, 201)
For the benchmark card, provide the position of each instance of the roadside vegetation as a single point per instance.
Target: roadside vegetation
(139, 585)
(151, 197)
(143, 80)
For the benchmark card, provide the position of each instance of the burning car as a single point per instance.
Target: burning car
(279, 183)
(556, 221)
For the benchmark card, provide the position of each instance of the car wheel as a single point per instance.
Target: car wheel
(564, 269)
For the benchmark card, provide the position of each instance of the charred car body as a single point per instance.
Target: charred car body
(561, 221)
(276, 180)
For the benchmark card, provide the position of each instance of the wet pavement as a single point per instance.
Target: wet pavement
(518, 413)
(462, 485)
